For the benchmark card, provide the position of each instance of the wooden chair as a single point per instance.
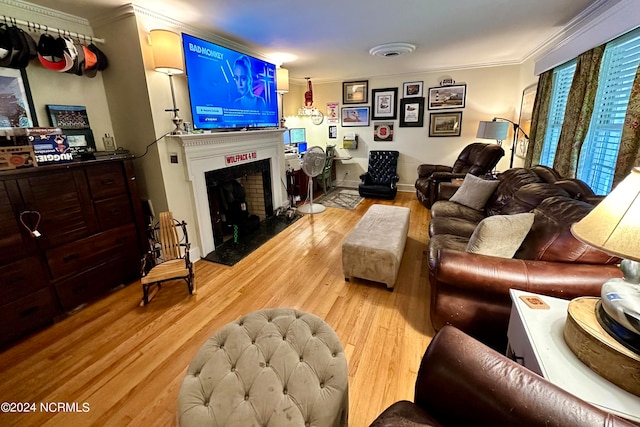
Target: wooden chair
(325, 176)
(168, 258)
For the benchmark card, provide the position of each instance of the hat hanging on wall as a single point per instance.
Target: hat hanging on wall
(16, 47)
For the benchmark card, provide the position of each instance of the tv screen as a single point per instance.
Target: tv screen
(229, 89)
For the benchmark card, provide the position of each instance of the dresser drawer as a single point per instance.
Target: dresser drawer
(113, 212)
(86, 253)
(22, 278)
(26, 314)
(107, 181)
(90, 284)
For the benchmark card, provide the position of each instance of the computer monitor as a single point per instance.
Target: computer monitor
(297, 135)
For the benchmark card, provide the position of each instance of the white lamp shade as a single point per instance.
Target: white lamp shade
(614, 224)
(282, 80)
(492, 130)
(167, 51)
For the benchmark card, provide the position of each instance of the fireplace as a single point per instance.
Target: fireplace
(239, 198)
(225, 152)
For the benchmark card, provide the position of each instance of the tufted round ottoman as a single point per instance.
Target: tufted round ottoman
(275, 367)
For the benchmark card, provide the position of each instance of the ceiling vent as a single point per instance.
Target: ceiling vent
(390, 50)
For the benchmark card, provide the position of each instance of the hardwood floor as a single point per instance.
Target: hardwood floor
(127, 362)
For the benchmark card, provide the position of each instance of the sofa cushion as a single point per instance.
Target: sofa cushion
(404, 414)
(500, 235)
(452, 225)
(474, 192)
(550, 238)
(449, 209)
(511, 181)
(529, 196)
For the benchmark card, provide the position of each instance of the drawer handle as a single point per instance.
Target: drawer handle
(79, 289)
(29, 311)
(70, 257)
(107, 181)
(115, 211)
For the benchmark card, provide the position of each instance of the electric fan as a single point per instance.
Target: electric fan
(312, 165)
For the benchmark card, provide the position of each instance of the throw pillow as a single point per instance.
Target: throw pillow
(474, 192)
(500, 235)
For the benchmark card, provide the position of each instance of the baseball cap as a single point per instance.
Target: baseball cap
(102, 62)
(51, 52)
(5, 46)
(90, 62)
(70, 53)
(78, 62)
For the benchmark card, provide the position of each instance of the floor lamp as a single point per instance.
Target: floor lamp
(167, 58)
(282, 87)
(516, 128)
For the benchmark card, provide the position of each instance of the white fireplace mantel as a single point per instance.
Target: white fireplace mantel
(204, 152)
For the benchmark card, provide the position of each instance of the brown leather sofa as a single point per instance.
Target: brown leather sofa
(477, 159)
(462, 382)
(471, 291)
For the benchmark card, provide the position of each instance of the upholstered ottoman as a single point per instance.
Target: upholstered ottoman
(276, 367)
(373, 250)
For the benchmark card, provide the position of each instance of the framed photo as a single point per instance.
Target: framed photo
(447, 97)
(524, 121)
(412, 90)
(411, 112)
(355, 116)
(16, 109)
(383, 131)
(385, 105)
(445, 124)
(80, 139)
(355, 92)
(333, 132)
(68, 116)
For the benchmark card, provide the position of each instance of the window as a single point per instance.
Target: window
(562, 78)
(599, 152)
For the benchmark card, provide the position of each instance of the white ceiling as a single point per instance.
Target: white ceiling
(331, 39)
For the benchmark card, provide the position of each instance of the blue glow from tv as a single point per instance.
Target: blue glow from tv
(229, 89)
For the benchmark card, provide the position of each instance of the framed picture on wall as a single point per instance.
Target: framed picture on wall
(412, 90)
(411, 112)
(442, 97)
(526, 113)
(355, 116)
(385, 104)
(445, 124)
(68, 116)
(16, 109)
(355, 92)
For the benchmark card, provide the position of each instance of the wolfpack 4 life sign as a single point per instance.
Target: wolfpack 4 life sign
(236, 159)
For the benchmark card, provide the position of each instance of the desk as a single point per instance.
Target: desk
(536, 341)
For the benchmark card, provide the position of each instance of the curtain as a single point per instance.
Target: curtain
(629, 152)
(577, 115)
(539, 118)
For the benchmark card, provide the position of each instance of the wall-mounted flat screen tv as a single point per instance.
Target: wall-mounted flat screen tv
(229, 89)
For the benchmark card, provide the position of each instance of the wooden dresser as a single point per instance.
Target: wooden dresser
(90, 238)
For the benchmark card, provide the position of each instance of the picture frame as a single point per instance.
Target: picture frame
(443, 97)
(385, 104)
(383, 131)
(412, 90)
(524, 120)
(80, 139)
(412, 112)
(333, 132)
(354, 116)
(68, 116)
(445, 124)
(21, 113)
(355, 92)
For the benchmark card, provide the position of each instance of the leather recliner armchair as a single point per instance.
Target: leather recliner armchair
(379, 182)
(462, 382)
(477, 159)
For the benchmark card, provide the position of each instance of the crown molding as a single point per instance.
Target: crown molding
(43, 11)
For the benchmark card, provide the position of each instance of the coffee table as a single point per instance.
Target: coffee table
(536, 341)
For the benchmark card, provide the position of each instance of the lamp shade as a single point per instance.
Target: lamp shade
(492, 130)
(282, 80)
(167, 51)
(613, 226)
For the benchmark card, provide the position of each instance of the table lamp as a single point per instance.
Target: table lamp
(613, 226)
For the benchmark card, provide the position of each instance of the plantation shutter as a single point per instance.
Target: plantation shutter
(562, 78)
(599, 152)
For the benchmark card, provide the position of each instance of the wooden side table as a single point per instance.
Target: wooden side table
(536, 341)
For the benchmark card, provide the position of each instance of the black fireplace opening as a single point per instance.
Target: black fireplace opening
(240, 198)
